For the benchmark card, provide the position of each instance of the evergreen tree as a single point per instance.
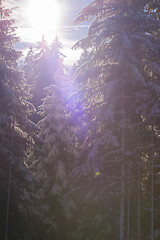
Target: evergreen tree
(120, 108)
(15, 137)
(51, 163)
(40, 67)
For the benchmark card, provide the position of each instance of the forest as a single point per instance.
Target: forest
(80, 150)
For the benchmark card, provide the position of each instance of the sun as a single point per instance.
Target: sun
(43, 16)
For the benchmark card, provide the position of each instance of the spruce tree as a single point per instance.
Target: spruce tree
(120, 108)
(40, 66)
(51, 162)
(15, 133)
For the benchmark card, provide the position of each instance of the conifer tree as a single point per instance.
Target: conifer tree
(51, 163)
(14, 133)
(119, 87)
(40, 67)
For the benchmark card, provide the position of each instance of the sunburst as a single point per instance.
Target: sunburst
(43, 16)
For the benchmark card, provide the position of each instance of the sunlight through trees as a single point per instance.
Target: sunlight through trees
(80, 147)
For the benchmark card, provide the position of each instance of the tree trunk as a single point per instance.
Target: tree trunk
(139, 202)
(8, 198)
(9, 182)
(152, 190)
(122, 172)
(128, 207)
(122, 203)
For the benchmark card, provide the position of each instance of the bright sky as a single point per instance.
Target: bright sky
(43, 17)
(50, 17)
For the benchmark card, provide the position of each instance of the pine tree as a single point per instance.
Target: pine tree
(15, 133)
(119, 87)
(51, 163)
(40, 67)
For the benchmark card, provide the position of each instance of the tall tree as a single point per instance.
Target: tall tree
(119, 87)
(40, 66)
(51, 163)
(14, 133)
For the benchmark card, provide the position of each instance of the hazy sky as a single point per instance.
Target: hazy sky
(32, 15)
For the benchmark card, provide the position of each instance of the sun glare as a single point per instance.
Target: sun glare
(43, 16)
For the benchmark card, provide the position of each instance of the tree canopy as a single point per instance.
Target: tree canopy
(79, 152)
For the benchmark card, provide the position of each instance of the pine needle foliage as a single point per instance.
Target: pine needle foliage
(119, 87)
(15, 133)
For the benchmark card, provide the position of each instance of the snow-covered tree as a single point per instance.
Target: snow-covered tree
(120, 88)
(15, 133)
(40, 66)
(51, 163)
